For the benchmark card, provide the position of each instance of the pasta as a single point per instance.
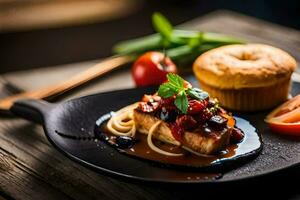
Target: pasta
(122, 124)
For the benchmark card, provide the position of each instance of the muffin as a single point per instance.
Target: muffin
(246, 77)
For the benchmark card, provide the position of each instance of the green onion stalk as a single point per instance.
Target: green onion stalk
(182, 46)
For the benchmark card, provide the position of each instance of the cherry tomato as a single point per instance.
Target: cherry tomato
(237, 135)
(286, 118)
(152, 68)
(196, 106)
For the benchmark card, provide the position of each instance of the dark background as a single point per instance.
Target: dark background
(39, 48)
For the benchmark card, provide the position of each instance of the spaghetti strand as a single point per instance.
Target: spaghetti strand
(122, 124)
(155, 148)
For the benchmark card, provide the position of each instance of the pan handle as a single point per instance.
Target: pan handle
(31, 109)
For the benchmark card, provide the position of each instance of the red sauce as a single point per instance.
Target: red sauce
(177, 132)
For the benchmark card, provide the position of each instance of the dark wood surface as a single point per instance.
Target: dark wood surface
(30, 168)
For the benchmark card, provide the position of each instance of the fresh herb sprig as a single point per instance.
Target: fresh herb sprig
(175, 87)
(179, 44)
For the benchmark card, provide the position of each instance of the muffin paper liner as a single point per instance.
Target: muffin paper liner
(250, 99)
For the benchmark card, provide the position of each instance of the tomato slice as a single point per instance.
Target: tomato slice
(286, 118)
(231, 120)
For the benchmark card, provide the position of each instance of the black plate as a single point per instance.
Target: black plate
(77, 118)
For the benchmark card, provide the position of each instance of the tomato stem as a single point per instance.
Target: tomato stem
(163, 62)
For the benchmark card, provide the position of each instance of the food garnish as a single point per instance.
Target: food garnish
(180, 115)
(286, 118)
(151, 69)
(176, 87)
(182, 46)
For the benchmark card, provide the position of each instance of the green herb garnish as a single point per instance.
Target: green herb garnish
(175, 87)
(181, 101)
(197, 93)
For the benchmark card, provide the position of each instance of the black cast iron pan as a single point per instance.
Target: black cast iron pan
(69, 126)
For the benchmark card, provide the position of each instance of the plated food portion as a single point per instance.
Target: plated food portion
(184, 116)
(179, 125)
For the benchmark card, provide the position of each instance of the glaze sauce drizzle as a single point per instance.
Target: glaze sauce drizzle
(137, 147)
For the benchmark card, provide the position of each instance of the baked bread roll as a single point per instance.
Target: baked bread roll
(246, 77)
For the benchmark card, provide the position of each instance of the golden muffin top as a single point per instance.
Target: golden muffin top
(244, 66)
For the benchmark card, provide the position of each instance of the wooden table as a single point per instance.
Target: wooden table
(30, 168)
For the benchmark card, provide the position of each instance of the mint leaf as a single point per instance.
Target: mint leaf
(166, 91)
(175, 86)
(181, 102)
(172, 87)
(197, 93)
(176, 81)
(162, 25)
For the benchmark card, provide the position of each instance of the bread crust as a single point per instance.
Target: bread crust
(244, 66)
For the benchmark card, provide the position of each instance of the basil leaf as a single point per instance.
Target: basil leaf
(175, 81)
(162, 25)
(197, 93)
(181, 102)
(166, 91)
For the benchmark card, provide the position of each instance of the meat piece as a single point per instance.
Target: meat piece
(204, 143)
(199, 141)
(144, 122)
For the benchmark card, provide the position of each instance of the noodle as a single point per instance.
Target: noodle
(153, 147)
(122, 124)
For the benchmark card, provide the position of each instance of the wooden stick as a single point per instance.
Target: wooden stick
(99, 69)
